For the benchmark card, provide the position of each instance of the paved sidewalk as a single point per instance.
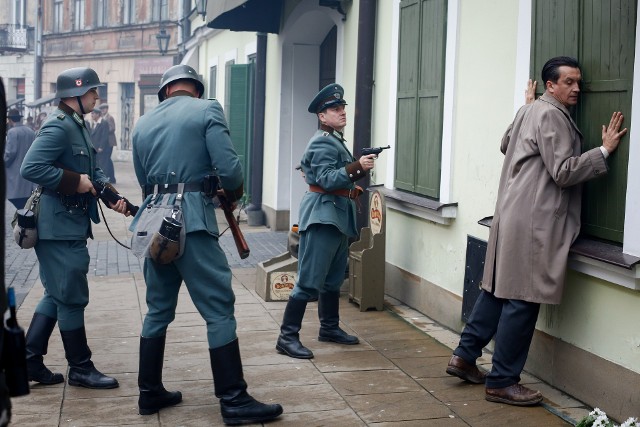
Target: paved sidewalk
(394, 377)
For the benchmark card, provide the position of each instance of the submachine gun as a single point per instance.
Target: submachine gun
(213, 189)
(374, 150)
(108, 194)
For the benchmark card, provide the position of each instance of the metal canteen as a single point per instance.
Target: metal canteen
(165, 244)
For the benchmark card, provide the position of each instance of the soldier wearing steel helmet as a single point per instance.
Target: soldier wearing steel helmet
(181, 141)
(62, 159)
(327, 220)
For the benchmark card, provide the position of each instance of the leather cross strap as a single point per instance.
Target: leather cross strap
(344, 192)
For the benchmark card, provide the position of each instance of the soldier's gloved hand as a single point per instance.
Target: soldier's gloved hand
(367, 162)
(85, 185)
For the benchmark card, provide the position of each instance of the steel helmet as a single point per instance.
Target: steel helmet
(179, 72)
(76, 82)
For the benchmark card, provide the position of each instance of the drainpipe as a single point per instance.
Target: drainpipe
(255, 215)
(364, 95)
(37, 71)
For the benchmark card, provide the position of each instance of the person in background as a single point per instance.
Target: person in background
(111, 123)
(536, 220)
(62, 161)
(19, 140)
(100, 139)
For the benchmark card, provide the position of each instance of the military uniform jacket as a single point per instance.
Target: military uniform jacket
(62, 144)
(324, 164)
(19, 139)
(537, 215)
(182, 140)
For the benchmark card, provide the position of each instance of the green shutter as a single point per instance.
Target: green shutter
(430, 97)
(601, 35)
(406, 137)
(420, 96)
(240, 113)
(607, 56)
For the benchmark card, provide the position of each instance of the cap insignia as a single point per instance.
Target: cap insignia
(78, 82)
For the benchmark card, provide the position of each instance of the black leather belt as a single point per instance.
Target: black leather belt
(80, 201)
(189, 187)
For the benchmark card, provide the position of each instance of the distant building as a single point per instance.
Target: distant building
(120, 41)
(17, 43)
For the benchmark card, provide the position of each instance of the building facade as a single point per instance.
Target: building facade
(448, 77)
(17, 51)
(120, 41)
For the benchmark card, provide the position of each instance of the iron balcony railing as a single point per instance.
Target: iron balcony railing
(16, 38)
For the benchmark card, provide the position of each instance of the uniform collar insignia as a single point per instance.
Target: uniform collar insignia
(332, 131)
(71, 112)
(77, 118)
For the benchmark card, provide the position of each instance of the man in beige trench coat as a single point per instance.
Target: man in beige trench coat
(536, 220)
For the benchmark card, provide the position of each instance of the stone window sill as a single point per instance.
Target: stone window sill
(603, 260)
(418, 206)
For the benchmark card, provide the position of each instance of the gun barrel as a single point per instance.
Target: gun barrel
(374, 150)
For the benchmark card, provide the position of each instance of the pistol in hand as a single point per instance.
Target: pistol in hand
(374, 150)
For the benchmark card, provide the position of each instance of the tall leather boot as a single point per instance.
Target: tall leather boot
(37, 342)
(236, 405)
(328, 312)
(153, 395)
(82, 372)
(289, 339)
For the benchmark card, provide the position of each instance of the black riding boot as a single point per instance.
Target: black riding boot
(289, 339)
(37, 343)
(82, 372)
(236, 405)
(153, 395)
(328, 305)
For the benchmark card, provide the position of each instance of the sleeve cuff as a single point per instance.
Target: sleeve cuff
(69, 183)
(354, 171)
(233, 195)
(605, 153)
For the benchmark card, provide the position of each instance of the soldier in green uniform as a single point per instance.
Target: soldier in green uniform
(181, 141)
(327, 220)
(62, 160)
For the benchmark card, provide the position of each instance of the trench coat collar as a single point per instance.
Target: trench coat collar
(549, 99)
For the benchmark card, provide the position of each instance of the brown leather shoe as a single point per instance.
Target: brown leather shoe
(516, 394)
(458, 367)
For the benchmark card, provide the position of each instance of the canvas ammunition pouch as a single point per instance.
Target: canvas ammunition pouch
(160, 233)
(25, 231)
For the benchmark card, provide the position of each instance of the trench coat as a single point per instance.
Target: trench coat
(537, 214)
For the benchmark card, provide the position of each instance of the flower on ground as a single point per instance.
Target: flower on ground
(598, 418)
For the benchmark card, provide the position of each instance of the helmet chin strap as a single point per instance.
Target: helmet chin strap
(80, 104)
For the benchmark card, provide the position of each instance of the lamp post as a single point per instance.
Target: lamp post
(163, 41)
(163, 36)
(201, 8)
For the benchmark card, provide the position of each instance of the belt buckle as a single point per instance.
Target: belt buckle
(350, 194)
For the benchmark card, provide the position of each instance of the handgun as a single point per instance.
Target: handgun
(108, 194)
(374, 150)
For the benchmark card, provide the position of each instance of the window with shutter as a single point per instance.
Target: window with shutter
(421, 61)
(601, 35)
(240, 113)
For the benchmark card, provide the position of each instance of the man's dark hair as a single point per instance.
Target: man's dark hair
(550, 69)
